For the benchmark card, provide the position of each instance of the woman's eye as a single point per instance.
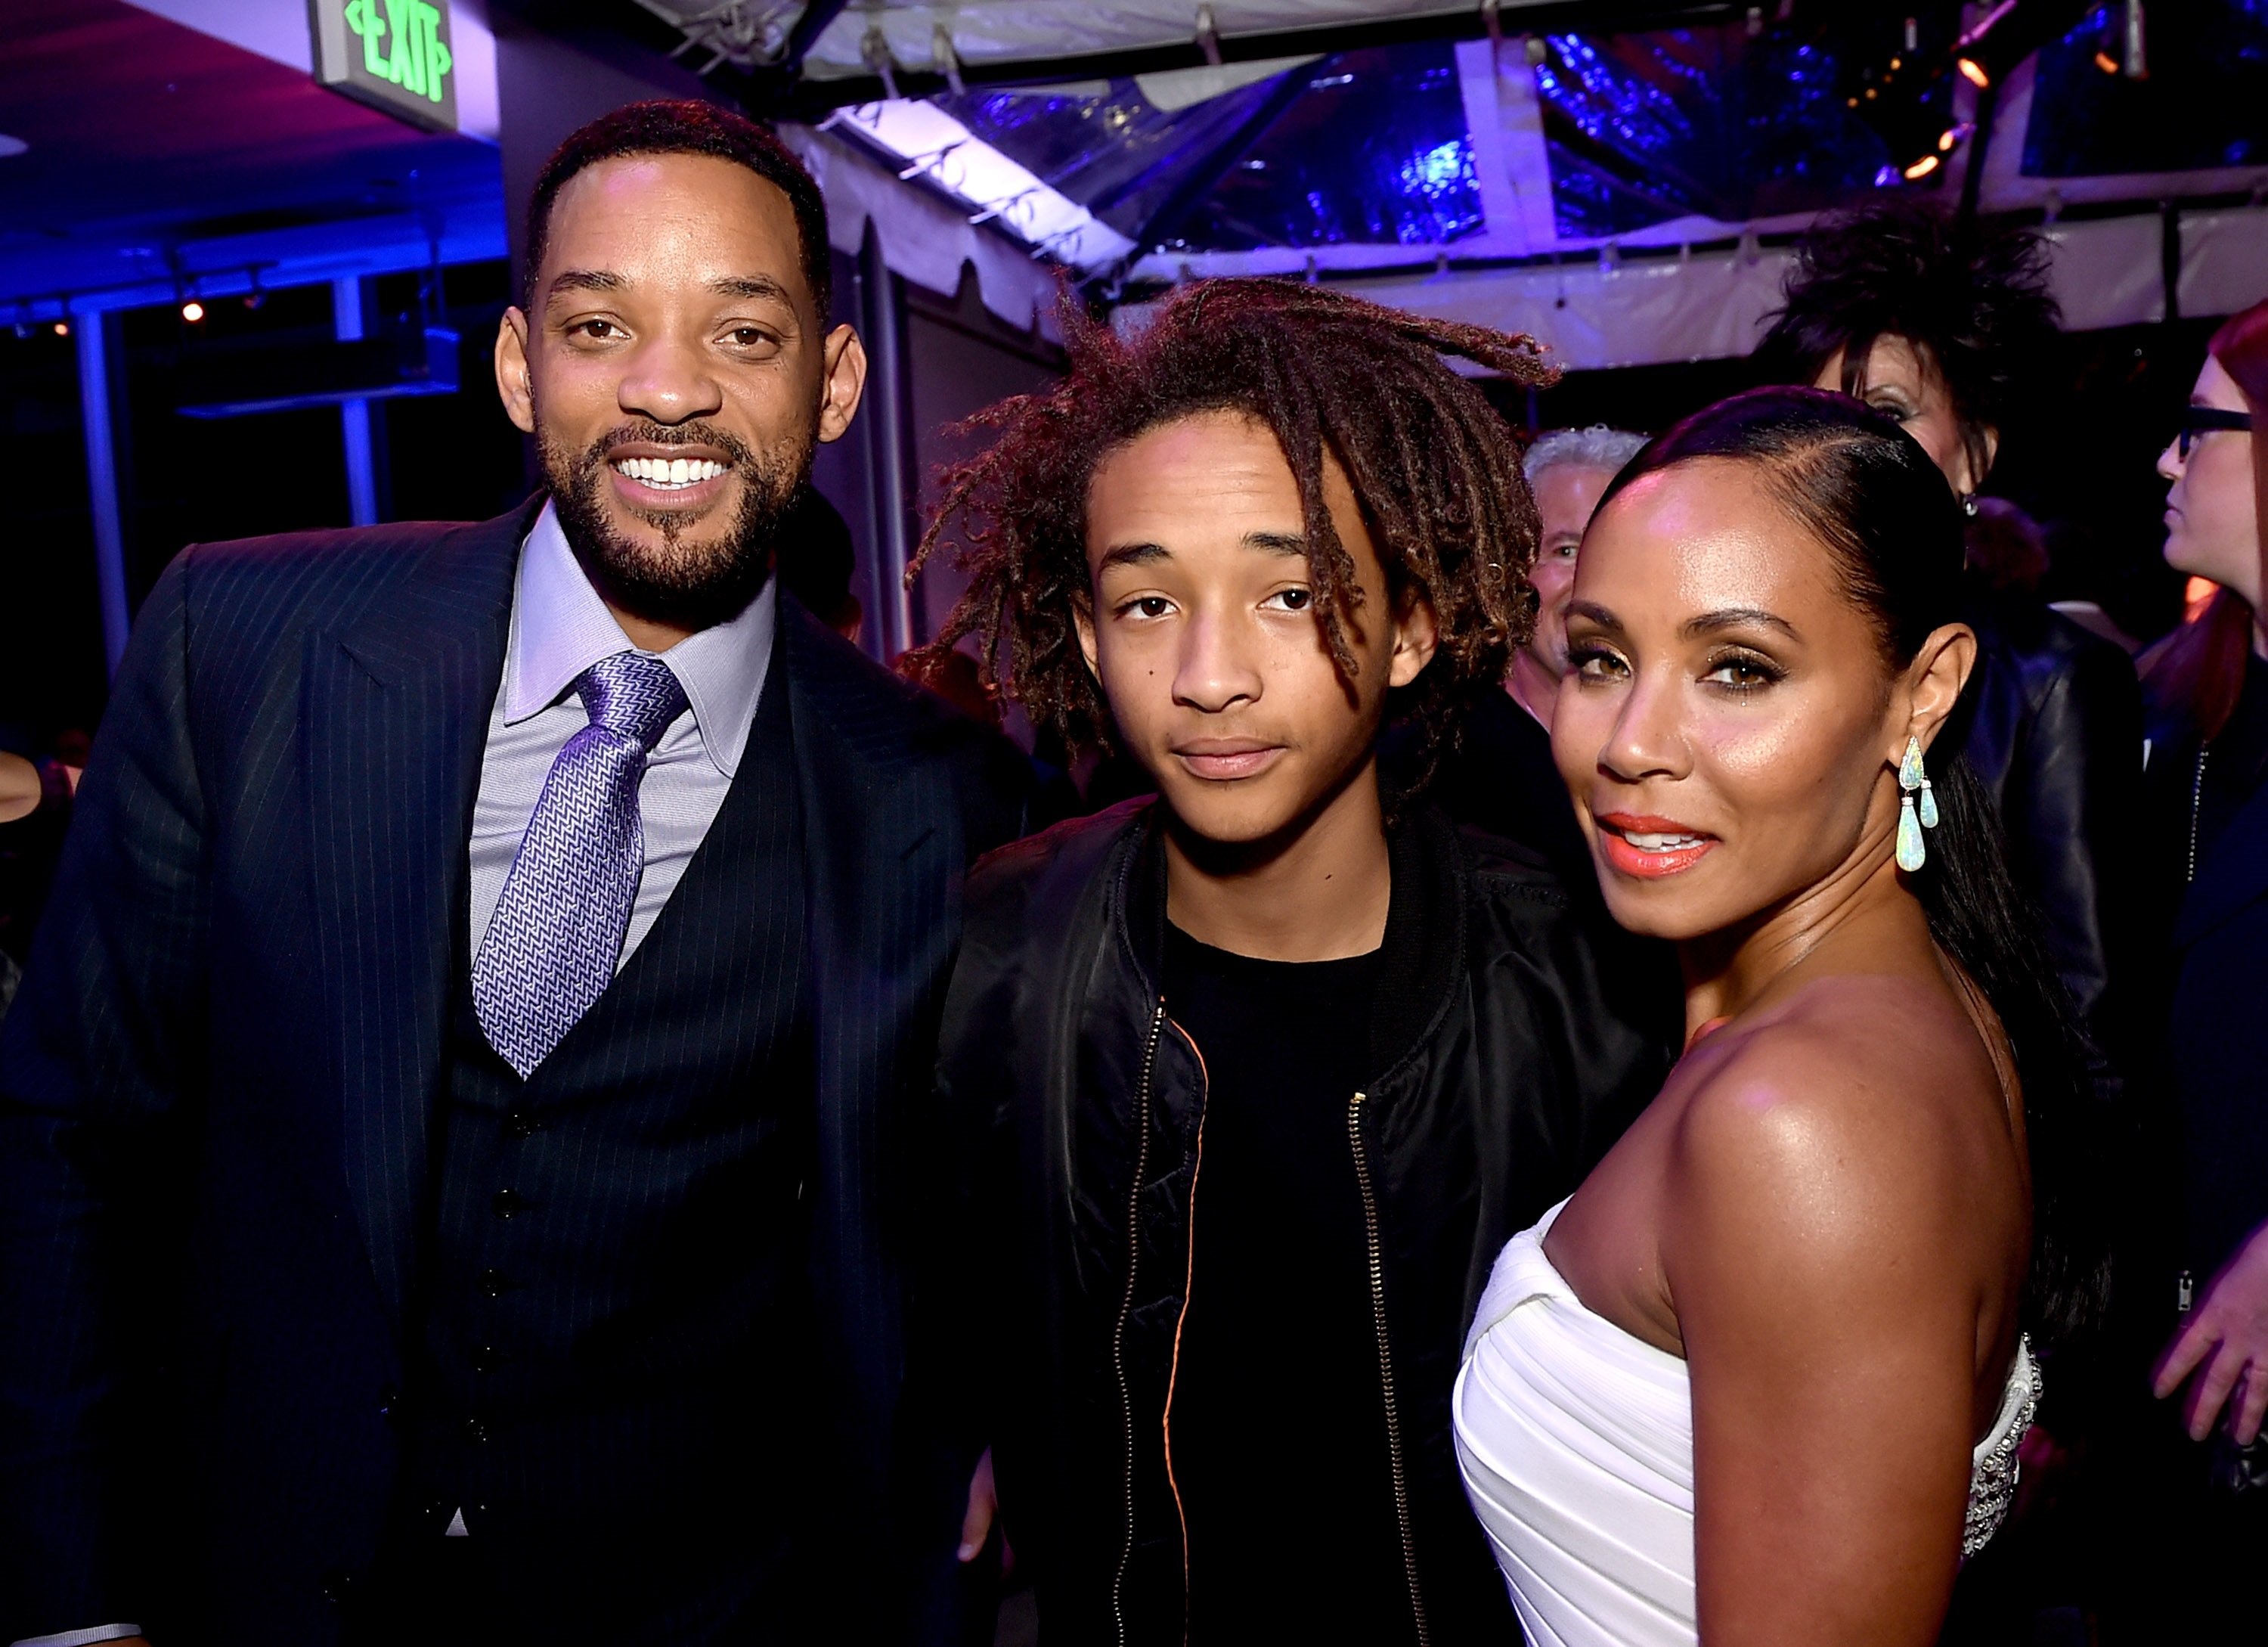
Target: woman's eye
(1292, 600)
(1593, 663)
(1743, 675)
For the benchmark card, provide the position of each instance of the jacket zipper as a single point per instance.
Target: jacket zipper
(1373, 1250)
(1126, 1310)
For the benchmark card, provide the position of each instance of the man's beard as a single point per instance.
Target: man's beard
(688, 583)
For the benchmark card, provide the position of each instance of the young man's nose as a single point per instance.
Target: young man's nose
(1214, 669)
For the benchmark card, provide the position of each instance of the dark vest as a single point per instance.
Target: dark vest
(611, 1326)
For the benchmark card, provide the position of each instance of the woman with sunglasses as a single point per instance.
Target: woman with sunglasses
(2207, 693)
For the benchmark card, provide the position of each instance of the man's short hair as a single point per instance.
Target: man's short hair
(676, 127)
(1598, 447)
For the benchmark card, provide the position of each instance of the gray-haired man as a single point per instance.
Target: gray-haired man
(1567, 470)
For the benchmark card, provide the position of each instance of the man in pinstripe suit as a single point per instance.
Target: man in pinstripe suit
(461, 1156)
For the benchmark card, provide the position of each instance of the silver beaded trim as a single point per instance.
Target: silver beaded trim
(1993, 1487)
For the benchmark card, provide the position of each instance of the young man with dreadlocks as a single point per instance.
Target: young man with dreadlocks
(1258, 1077)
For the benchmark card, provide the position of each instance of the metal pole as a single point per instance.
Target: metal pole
(354, 416)
(889, 395)
(94, 332)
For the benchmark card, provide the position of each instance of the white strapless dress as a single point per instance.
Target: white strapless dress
(1576, 1441)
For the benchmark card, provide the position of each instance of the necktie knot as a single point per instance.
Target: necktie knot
(634, 693)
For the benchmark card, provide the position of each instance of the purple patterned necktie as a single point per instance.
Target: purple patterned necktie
(556, 934)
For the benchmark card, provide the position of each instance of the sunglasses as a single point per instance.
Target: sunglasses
(2199, 420)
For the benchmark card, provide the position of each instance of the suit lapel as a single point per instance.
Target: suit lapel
(2232, 876)
(881, 854)
(397, 702)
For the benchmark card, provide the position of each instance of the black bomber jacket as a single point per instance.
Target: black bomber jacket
(1509, 1054)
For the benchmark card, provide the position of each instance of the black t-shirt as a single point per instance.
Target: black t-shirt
(1277, 1427)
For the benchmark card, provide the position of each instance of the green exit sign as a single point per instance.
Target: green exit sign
(393, 54)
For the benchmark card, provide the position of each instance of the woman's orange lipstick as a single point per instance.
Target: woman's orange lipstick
(1650, 848)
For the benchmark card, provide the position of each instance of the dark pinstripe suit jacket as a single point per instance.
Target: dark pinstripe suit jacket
(216, 1086)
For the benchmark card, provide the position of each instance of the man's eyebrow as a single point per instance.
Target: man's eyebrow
(759, 287)
(1735, 617)
(1132, 555)
(1276, 542)
(585, 280)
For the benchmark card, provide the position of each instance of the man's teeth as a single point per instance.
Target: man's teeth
(1659, 843)
(668, 473)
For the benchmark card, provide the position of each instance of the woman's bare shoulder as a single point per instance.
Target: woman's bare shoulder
(1833, 1123)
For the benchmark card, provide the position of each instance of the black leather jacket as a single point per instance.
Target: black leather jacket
(1506, 1066)
(2057, 742)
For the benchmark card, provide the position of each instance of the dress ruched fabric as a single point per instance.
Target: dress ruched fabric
(1576, 1441)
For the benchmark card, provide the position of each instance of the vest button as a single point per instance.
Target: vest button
(519, 1124)
(487, 1358)
(389, 1402)
(504, 1203)
(475, 1431)
(492, 1283)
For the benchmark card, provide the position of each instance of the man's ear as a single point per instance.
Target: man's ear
(1416, 634)
(1934, 681)
(515, 385)
(1082, 617)
(843, 359)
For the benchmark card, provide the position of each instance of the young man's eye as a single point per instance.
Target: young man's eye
(597, 330)
(1292, 600)
(1146, 606)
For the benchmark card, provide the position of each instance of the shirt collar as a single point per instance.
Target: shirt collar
(560, 627)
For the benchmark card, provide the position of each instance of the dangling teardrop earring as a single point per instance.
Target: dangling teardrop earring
(1912, 854)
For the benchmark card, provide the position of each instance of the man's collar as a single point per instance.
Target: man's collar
(560, 627)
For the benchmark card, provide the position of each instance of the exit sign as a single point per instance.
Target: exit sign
(393, 54)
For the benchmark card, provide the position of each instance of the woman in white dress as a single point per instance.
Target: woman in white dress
(1761, 1378)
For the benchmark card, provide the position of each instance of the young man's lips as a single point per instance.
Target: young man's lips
(1650, 848)
(1223, 759)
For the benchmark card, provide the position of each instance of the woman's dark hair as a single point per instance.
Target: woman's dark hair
(667, 126)
(2196, 672)
(1973, 302)
(1434, 469)
(1866, 490)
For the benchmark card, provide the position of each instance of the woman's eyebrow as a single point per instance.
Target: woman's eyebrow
(1597, 614)
(1735, 617)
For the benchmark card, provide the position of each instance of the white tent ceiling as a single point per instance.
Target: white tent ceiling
(755, 34)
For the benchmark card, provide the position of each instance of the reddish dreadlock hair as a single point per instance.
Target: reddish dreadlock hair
(1435, 471)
